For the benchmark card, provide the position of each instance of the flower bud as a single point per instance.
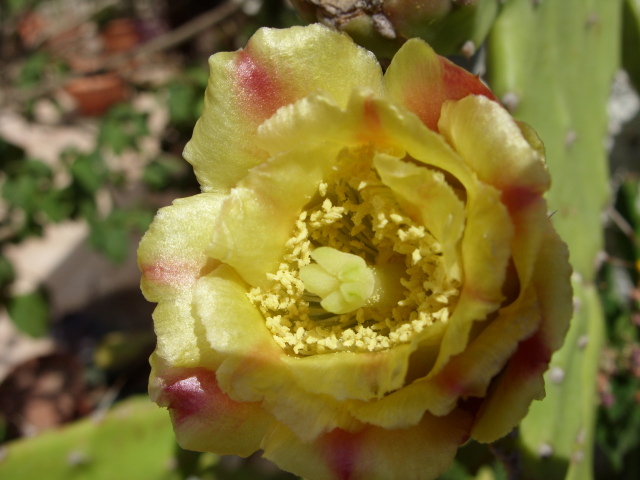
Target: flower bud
(450, 26)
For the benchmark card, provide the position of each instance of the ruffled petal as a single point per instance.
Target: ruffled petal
(346, 375)
(486, 250)
(493, 145)
(277, 68)
(419, 452)
(172, 257)
(254, 368)
(204, 417)
(391, 125)
(522, 381)
(465, 375)
(258, 216)
(232, 325)
(469, 373)
(260, 375)
(297, 124)
(423, 81)
(356, 124)
(530, 225)
(427, 199)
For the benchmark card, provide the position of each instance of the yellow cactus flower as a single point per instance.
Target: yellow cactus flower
(369, 277)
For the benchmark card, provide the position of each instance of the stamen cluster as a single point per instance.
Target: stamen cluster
(355, 212)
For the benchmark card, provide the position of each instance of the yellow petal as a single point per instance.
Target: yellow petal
(522, 382)
(423, 81)
(172, 257)
(297, 124)
(405, 406)
(254, 368)
(493, 145)
(421, 452)
(470, 372)
(204, 418)
(260, 375)
(231, 324)
(530, 224)
(427, 199)
(485, 257)
(346, 375)
(465, 375)
(403, 129)
(258, 216)
(277, 68)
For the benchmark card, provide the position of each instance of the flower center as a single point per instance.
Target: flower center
(358, 275)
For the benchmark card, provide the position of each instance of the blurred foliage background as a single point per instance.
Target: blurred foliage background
(99, 97)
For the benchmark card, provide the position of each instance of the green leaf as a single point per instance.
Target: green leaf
(9, 154)
(34, 68)
(7, 273)
(88, 171)
(110, 238)
(20, 192)
(112, 235)
(30, 313)
(553, 63)
(159, 173)
(57, 205)
(182, 104)
(122, 128)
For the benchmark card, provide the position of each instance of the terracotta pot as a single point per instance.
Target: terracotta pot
(32, 29)
(94, 94)
(120, 35)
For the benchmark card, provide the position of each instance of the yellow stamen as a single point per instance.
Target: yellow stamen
(359, 275)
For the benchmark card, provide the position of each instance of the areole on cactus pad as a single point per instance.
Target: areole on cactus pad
(369, 277)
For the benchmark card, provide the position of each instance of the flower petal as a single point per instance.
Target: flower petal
(422, 451)
(254, 367)
(493, 145)
(530, 224)
(466, 374)
(172, 257)
(485, 255)
(346, 375)
(470, 372)
(423, 81)
(258, 216)
(205, 418)
(297, 124)
(522, 381)
(404, 130)
(427, 199)
(277, 68)
(232, 325)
